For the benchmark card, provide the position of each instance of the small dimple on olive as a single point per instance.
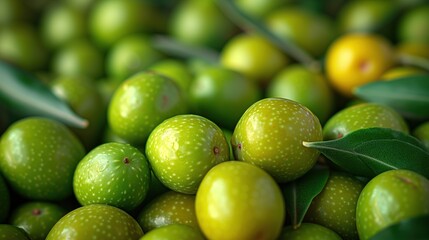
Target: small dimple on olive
(41, 157)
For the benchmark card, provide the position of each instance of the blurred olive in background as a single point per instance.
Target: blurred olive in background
(175, 69)
(61, 24)
(78, 58)
(130, 55)
(21, 45)
(302, 85)
(12, 11)
(366, 15)
(222, 95)
(253, 56)
(311, 31)
(83, 5)
(414, 25)
(200, 23)
(110, 20)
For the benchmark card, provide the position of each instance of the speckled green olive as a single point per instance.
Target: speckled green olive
(96, 221)
(142, 102)
(422, 132)
(390, 197)
(335, 206)
(78, 58)
(308, 231)
(11, 232)
(168, 208)
(222, 95)
(302, 85)
(174, 232)
(183, 148)
(85, 99)
(270, 135)
(238, 200)
(4, 200)
(38, 158)
(112, 173)
(130, 55)
(37, 218)
(363, 115)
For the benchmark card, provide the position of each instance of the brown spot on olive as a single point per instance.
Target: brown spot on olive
(216, 150)
(165, 100)
(36, 212)
(364, 66)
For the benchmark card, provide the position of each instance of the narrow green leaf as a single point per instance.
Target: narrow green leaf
(172, 47)
(25, 95)
(416, 228)
(408, 95)
(246, 21)
(368, 152)
(299, 193)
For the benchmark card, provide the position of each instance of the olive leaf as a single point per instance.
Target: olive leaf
(248, 22)
(171, 46)
(415, 228)
(300, 193)
(408, 95)
(25, 95)
(370, 151)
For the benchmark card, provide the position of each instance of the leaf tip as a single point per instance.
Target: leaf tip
(84, 123)
(77, 122)
(358, 91)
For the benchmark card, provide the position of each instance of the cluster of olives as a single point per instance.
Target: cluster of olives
(197, 124)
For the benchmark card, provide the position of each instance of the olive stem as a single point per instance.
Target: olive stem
(171, 46)
(247, 22)
(407, 59)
